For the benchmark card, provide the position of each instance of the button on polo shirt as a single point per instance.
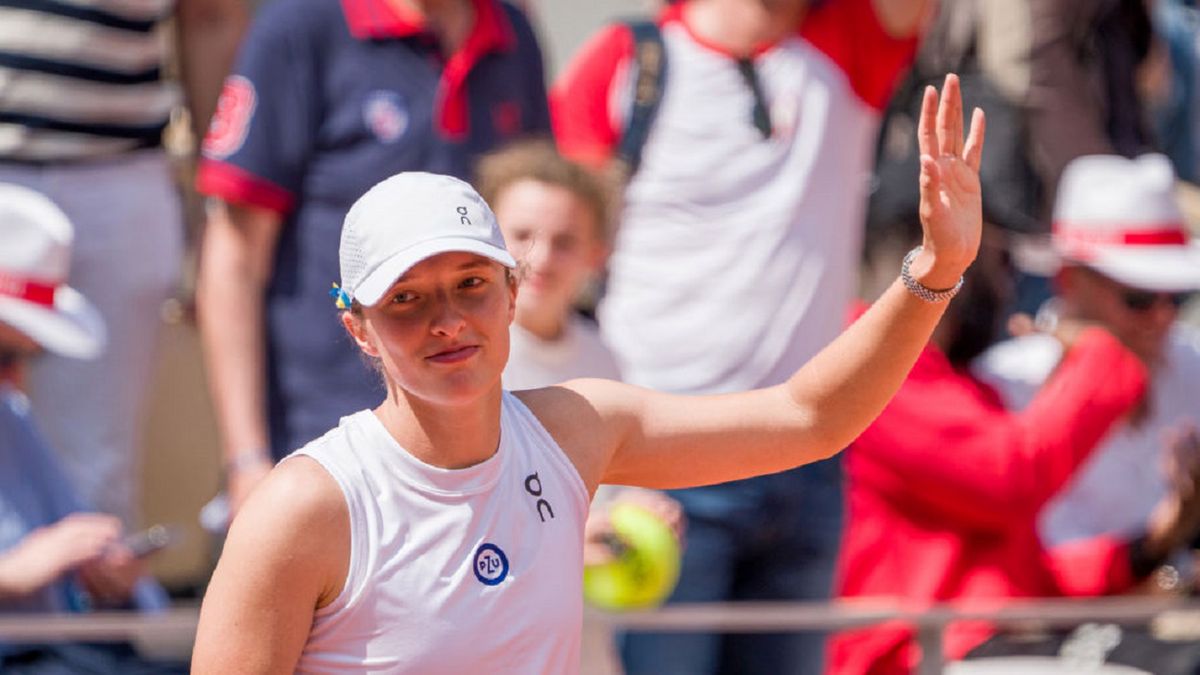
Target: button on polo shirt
(324, 102)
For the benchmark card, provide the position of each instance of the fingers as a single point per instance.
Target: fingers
(927, 139)
(973, 151)
(949, 118)
(930, 182)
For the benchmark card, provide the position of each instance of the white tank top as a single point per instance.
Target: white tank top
(475, 570)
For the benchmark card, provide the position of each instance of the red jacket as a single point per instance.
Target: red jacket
(945, 487)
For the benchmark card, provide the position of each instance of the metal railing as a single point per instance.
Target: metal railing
(179, 625)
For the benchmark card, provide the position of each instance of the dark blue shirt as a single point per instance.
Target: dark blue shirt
(34, 492)
(325, 101)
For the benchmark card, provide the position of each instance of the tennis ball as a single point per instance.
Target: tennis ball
(643, 570)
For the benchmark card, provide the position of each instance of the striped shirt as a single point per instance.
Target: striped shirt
(81, 79)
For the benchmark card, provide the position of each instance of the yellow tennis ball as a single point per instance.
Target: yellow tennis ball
(643, 573)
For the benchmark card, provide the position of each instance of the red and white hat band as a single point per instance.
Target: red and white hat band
(26, 289)
(1166, 235)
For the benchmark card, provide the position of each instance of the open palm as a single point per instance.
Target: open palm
(951, 204)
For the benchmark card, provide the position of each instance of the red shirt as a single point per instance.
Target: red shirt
(945, 488)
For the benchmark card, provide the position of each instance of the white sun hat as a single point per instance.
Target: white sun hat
(1120, 217)
(406, 219)
(35, 256)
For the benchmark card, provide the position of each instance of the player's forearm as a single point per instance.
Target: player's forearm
(846, 386)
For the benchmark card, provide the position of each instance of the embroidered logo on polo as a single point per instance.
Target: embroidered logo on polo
(231, 119)
(490, 564)
(385, 115)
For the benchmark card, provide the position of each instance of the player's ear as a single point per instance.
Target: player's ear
(356, 326)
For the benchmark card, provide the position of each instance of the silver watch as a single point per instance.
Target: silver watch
(920, 290)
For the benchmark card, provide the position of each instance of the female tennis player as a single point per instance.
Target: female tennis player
(441, 532)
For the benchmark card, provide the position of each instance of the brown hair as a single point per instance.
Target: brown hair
(540, 161)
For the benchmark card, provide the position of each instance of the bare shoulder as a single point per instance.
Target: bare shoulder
(583, 416)
(286, 556)
(298, 511)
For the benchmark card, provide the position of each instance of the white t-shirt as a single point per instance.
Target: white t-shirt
(737, 252)
(736, 257)
(1116, 488)
(475, 570)
(578, 352)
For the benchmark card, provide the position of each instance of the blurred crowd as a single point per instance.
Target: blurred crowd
(700, 200)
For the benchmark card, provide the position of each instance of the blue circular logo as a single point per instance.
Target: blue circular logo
(491, 565)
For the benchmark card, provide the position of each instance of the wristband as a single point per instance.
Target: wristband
(247, 458)
(920, 290)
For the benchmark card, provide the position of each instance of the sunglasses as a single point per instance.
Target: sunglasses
(1141, 301)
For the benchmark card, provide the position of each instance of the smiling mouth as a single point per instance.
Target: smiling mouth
(456, 355)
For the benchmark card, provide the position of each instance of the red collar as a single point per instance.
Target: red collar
(374, 19)
(492, 32)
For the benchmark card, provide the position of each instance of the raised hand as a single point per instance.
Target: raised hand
(951, 203)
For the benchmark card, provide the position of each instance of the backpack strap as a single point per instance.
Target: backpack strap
(650, 61)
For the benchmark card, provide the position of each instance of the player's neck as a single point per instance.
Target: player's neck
(448, 437)
(741, 26)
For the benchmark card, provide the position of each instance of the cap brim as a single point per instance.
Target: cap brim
(1153, 268)
(372, 288)
(71, 328)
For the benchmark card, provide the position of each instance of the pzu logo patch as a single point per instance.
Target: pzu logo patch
(490, 564)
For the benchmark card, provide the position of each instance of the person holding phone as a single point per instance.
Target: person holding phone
(56, 554)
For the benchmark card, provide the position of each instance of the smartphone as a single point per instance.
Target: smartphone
(151, 539)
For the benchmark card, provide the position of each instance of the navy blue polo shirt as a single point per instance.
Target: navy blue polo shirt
(326, 100)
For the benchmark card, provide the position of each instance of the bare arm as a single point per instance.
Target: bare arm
(662, 440)
(209, 32)
(235, 266)
(287, 555)
(903, 18)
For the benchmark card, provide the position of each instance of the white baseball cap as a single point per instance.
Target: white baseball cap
(35, 256)
(1120, 217)
(406, 219)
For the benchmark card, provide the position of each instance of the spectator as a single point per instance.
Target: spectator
(1128, 267)
(751, 187)
(55, 556)
(82, 110)
(326, 100)
(945, 487)
(555, 218)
